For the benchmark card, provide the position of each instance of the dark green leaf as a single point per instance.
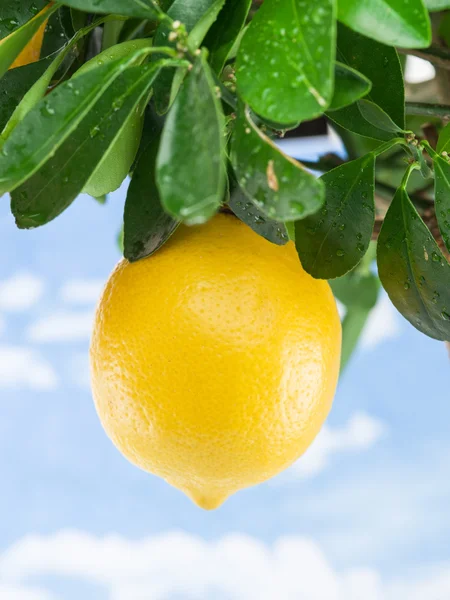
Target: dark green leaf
(349, 86)
(190, 13)
(14, 85)
(13, 14)
(52, 120)
(144, 9)
(381, 65)
(203, 25)
(11, 47)
(377, 117)
(412, 269)
(59, 181)
(246, 211)
(443, 144)
(279, 185)
(442, 197)
(190, 167)
(58, 32)
(333, 241)
(285, 63)
(147, 226)
(393, 22)
(223, 33)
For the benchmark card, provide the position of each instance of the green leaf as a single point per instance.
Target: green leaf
(190, 166)
(437, 4)
(443, 144)
(144, 9)
(285, 63)
(146, 225)
(442, 197)
(333, 241)
(52, 120)
(190, 13)
(58, 32)
(377, 117)
(12, 46)
(248, 213)
(393, 22)
(279, 185)
(59, 181)
(349, 86)
(381, 65)
(15, 14)
(412, 269)
(201, 28)
(223, 34)
(15, 84)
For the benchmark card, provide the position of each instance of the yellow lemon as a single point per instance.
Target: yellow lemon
(215, 361)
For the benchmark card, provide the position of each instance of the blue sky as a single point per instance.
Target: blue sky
(363, 515)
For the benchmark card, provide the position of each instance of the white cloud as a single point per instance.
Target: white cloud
(82, 291)
(14, 592)
(64, 326)
(359, 434)
(24, 368)
(20, 292)
(236, 567)
(418, 70)
(383, 324)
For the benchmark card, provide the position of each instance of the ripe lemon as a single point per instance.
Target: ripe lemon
(215, 361)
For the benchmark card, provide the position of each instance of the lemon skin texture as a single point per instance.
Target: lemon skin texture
(215, 361)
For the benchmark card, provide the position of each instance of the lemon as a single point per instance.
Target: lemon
(214, 362)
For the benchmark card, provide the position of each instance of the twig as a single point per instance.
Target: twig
(434, 54)
(426, 109)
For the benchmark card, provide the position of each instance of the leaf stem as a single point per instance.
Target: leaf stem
(412, 167)
(388, 145)
(425, 109)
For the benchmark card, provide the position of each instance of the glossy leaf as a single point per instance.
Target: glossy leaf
(285, 63)
(349, 86)
(393, 22)
(204, 24)
(443, 144)
(59, 181)
(377, 117)
(442, 197)
(11, 47)
(249, 213)
(15, 84)
(381, 65)
(190, 166)
(413, 270)
(223, 34)
(146, 225)
(333, 241)
(144, 9)
(14, 14)
(52, 120)
(279, 185)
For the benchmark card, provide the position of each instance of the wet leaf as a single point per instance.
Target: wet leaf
(246, 211)
(333, 241)
(443, 144)
(413, 270)
(144, 9)
(146, 225)
(59, 181)
(349, 86)
(15, 14)
(190, 166)
(381, 65)
(393, 22)
(442, 197)
(44, 128)
(279, 185)
(285, 62)
(223, 34)
(12, 46)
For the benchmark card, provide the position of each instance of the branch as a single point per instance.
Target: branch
(426, 109)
